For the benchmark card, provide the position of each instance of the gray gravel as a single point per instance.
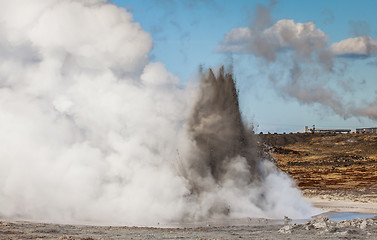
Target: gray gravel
(320, 228)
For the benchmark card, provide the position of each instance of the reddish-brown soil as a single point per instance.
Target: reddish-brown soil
(342, 162)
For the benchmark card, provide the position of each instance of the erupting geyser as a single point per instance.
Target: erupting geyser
(91, 131)
(217, 128)
(221, 138)
(225, 176)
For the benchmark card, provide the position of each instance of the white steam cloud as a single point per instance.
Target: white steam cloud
(91, 131)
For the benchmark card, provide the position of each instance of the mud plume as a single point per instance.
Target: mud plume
(223, 147)
(225, 177)
(217, 128)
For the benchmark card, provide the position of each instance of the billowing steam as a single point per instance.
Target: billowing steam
(224, 174)
(301, 62)
(91, 131)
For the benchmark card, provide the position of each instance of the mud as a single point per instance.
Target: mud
(219, 133)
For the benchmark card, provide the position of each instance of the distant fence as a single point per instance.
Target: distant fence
(366, 130)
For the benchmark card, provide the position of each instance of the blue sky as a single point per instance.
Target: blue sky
(188, 33)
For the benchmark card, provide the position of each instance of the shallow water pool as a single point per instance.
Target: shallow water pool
(349, 216)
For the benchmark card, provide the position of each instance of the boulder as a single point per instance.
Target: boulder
(363, 224)
(286, 229)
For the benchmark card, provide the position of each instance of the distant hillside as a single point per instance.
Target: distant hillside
(325, 161)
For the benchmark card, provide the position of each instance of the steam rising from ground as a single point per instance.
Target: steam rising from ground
(91, 131)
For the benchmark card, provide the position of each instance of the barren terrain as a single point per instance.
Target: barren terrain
(319, 228)
(333, 166)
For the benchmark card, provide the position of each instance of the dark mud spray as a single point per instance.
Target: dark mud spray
(217, 128)
(222, 169)
(91, 131)
(218, 131)
(220, 138)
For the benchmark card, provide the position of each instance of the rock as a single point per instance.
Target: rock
(320, 223)
(331, 223)
(363, 224)
(286, 229)
(333, 229)
(343, 224)
(342, 233)
(352, 231)
(323, 232)
(309, 227)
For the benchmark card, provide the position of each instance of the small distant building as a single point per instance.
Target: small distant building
(332, 130)
(315, 130)
(307, 129)
(366, 130)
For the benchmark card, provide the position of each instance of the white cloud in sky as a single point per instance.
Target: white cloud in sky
(304, 38)
(236, 40)
(306, 61)
(358, 46)
(284, 34)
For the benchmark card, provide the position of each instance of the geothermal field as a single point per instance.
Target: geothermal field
(101, 140)
(340, 182)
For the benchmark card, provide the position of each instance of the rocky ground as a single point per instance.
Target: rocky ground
(328, 229)
(337, 172)
(319, 228)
